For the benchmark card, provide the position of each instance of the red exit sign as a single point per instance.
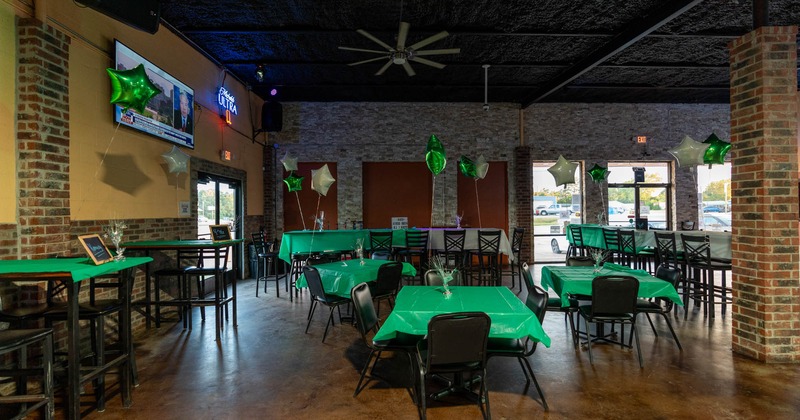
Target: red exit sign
(641, 139)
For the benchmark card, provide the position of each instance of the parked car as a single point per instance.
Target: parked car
(712, 209)
(717, 222)
(553, 209)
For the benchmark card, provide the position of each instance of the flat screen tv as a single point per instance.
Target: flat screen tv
(168, 115)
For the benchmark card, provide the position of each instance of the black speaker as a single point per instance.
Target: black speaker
(144, 15)
(272, 116)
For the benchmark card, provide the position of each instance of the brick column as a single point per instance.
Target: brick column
(523, 188)
(42, 139)
(270, 178)
(764, 178)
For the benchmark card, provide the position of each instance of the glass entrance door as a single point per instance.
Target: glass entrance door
(219, 202)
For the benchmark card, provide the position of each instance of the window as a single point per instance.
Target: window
(553, 208)
(714, 188)
(219, 202)
(642, 202)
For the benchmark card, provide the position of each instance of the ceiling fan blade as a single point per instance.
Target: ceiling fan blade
(375, 40)
(428, 62)
(402, 34)
(429, 40)
(436, 52)
(368, 61)
(383, 69)
(408, 68)
(362, 50)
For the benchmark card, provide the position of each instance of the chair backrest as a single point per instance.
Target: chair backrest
(433, 278)
(627, 241)
(611, 238)
(577, 235)
(673, 275)
(696, 250)
(666, 248)
(528, 277)
(389, 277)
(417, 239)
(259, 243)
(614, 295)
(537, 302)
(314, 281)
(380, 240)
(454, 241)
(579, 262)
(516, 239)
(207, 256)
(456, 339)
(488, 241)
(366, 317)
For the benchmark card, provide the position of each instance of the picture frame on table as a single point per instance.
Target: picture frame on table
(97, 250)
(220, 233)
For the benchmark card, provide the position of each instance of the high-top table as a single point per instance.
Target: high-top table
(720, 242)
(197, 244)
(339, 277)
(72, 271)
(416, 305)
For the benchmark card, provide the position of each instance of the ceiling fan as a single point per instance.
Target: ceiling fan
(402, 54)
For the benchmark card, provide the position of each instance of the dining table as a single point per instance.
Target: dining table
(191, 244)
(720, 242)
(416, 305)
(339, 277)
(72, 272)
(575, 280)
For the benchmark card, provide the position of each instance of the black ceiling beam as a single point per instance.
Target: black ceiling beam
(635, 31)
(679, 66)
(474, 86)
(321, 31)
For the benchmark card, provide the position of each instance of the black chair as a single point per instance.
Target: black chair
(488, 269)
(536, 301)
(416, 250)
(612, 243)
(700, 285)
(667, 250)
(267, 261)
(318, 296)
(576, 247)
(673, 276)
(455, 344)
(613, 300)
(368, 323)
(17, 341)
(515, 266)
(387, 284)
(453, 253)
(214, 265)
(185, 258)
(433, 278)
(630, 254)
(380, 242)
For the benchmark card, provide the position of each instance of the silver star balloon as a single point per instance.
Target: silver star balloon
(563, 171)
(689, 152)
(321, 179)
(289, 162)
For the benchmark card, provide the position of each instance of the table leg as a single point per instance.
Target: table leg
(233, 288)
(147, 291)
(217, 296)
(73, 352)
(126, 344)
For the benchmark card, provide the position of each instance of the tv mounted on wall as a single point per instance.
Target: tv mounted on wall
(168, 115)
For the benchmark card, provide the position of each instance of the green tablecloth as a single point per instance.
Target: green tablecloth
(720, 242)
(593, 236)
(578, 280)
(416, 305)
(78, 268)
(339, 277)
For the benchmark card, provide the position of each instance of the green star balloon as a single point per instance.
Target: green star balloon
(598, 173)
(716, 151)
(435, 156)
(294, 182)
(132, 88)
(467, 167)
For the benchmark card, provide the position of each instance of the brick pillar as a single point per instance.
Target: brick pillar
(42, 139)
(523, 187)
(270, 179)
(766, 252)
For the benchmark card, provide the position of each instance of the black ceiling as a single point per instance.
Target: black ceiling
(538, 51)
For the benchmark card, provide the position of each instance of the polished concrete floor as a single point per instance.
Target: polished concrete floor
(267, 368)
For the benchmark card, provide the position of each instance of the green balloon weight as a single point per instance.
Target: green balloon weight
(467, 167)
(716, 151)
(294, 182)
(598, 173)
(435, 156)
(132, 88)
